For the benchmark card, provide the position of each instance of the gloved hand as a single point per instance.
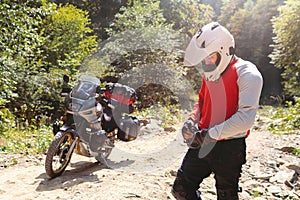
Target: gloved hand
(188, 129)
(201, 138)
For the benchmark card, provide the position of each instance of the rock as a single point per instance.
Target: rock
(250, 184)
(173, 173)
(272, 163)
(263, 176)
(281, 177)
(254, 168)
(280, 161)
(244, 196)
(2, 191)
(292, 182)
(274, 189)
(169, 129)
(151, 128)
(295, 167)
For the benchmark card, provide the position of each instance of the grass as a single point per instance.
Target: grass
(296, 151)
(256, 193)
(167, 115)
(26, 141)
(282, 120)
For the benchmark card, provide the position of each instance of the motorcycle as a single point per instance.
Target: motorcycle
(95, 117)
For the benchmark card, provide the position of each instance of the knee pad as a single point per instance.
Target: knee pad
(181, 192)
(178, 190)
(184, 196)
(227, 195)
(179, 195)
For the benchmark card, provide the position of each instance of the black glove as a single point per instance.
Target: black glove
(188, 129)
(201, 138)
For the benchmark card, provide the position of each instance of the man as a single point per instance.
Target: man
(226, 109)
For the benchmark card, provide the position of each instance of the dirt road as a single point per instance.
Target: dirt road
(144, 169)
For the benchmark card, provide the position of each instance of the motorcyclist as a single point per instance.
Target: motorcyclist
(225, 111)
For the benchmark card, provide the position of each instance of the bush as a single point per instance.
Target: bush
(26, 141)
(286, 119)
(6, 119)
(167, 115)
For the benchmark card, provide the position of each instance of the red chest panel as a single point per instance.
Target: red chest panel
(218, 100)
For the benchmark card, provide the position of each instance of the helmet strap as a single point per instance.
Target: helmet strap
(232, 58)
(231, 50)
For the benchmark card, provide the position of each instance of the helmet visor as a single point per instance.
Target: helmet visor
(194, 53)
(211, 62)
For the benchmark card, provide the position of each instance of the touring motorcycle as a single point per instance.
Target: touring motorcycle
(95, 117)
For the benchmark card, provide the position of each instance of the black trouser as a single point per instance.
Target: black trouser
(225, 160)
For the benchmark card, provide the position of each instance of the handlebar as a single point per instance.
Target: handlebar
(104, 101)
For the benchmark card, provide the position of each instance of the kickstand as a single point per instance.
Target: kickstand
(100, 158)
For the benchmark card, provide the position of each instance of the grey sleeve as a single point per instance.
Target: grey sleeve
(250, 84)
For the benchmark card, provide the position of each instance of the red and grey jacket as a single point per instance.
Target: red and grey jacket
(227, 107)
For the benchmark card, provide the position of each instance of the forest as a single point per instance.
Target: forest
(141, 42)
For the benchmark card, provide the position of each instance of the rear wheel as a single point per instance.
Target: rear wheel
(59, 154)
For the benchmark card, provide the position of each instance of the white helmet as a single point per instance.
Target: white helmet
(212, 38)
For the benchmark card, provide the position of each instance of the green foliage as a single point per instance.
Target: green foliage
(216, 5)
(251, 26)
(296, 151)
(187, 16)
(138, 31)
(143, 51)
(20, 42)
(255, 193)
(285, 119)
(40, 42)
(137, 14)
(285, 55)
(26, 141)
(68, 43)
(6, 120)
(101, 12)
(167, 115)
(229, 9)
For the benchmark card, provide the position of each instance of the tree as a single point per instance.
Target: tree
(20, 40)
(187, 16)
(69, 40)
(101, 12)
(252, 30)
(285, 55)
(40, 41)
(228, 9)
(20, 45)
(216, 5)
(141, 48)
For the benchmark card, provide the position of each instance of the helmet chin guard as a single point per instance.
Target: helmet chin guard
(212, 38)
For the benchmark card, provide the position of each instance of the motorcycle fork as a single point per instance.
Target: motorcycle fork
(72, 147)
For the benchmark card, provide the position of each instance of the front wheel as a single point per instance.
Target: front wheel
(59, 154)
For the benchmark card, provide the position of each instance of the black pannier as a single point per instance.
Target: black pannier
(121, 97)
(128, 128)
